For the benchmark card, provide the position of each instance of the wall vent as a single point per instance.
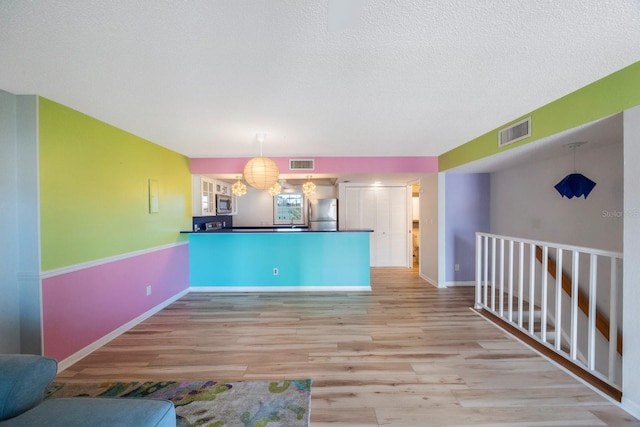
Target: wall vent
(515, 132)
(301, 164)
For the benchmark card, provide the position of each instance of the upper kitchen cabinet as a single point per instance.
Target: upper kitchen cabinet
(223, 187)
(203, 196)
(204, 191)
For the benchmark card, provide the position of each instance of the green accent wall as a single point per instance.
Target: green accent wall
(605, 97)
(94, 189)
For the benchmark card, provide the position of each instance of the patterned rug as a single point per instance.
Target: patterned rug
(212, 404)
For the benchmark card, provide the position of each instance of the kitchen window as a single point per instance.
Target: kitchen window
(288, 208)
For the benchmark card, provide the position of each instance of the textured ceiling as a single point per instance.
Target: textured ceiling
(407, 77)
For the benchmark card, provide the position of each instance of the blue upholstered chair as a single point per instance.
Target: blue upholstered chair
(24, 378)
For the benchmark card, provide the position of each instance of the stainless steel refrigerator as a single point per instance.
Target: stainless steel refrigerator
(323, 214)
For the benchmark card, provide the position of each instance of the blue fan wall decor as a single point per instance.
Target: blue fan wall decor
(575, 184)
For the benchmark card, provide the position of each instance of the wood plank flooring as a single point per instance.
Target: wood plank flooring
(405, 354)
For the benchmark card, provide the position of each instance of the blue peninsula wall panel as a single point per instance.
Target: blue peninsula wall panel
(303, 259)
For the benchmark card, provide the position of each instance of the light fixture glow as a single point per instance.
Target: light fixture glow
(308, 188)
(238, 188)
(275, 189)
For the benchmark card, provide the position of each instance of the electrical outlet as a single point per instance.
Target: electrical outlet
(275, 271)
(457, 267)
(148, 290)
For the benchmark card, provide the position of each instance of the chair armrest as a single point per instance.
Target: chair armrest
(23, 381)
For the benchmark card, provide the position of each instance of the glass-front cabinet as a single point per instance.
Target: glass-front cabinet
(204, 196)
(204, 190)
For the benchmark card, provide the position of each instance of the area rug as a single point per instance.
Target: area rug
(211, 403)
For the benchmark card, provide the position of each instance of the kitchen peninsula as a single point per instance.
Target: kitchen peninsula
(279, 259)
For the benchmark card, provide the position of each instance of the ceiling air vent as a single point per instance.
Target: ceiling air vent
(301, 164)
(515, 132)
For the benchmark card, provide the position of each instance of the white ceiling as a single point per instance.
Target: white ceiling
(410, 77)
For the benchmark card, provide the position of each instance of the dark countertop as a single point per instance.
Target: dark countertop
(270, 230)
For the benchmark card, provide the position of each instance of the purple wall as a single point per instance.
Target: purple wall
(467, 204)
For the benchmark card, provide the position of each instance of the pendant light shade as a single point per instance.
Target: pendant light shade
(275, 189)
(575, 184)
(238, 188)
(261, 173)
(308, 188)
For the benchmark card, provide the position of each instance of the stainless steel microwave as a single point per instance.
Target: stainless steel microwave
(223, 204)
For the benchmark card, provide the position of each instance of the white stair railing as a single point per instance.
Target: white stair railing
(515, 283)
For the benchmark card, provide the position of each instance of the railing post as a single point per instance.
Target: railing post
(478, 270)
(613, 321)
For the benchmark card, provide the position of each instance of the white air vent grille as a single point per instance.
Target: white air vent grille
(515, 132)
(301, 164)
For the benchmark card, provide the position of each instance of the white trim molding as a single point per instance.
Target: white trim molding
(454, 284)
(226, 289)
(102, 261)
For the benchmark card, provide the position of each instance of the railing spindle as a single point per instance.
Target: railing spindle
(520, 283)
(493, 274)
(501, 292)
(486, 271)
(575, 261)
(532, 283)
(593, 287)
(510, 283)
(544, 297)
(558, 299)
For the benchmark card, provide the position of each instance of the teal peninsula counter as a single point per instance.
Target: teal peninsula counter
(279, 259)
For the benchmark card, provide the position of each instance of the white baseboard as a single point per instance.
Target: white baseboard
(280, 289)
(65, 363)
(452, 284)
(631, 407)
(428, 279)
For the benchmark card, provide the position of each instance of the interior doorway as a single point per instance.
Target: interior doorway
(415, 224)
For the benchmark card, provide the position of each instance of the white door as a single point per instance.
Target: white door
(384, 210)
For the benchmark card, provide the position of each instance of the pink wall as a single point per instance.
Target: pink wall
(81, 307)
(325, 165)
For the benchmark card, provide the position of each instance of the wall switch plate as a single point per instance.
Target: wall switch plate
(148, 290)
(457, 267)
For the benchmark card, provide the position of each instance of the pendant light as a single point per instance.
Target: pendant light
(275, 189)
(575, 184)
(238, 188)
(308, 188)
(261, 172)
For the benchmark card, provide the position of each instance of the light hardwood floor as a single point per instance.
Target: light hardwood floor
(405, 354)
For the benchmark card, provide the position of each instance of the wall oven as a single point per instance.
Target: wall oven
(223, 204)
